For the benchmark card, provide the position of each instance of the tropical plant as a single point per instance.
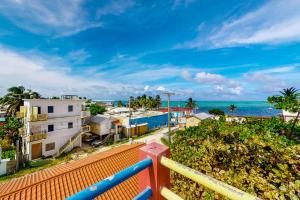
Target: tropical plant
(191, 103)
(252, 155)
(157, 101)
(289, 92)
(289, 101)
(216, 111)
(120, 103)
(10, 131)
(14, 98)
(144, 101)
(97, 109)
(232, 108)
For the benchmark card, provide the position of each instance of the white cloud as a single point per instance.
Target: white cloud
(236, 90)
(264, 82)
(282, 69)
(186, 74)
(274, 22)
(147, 87)
(56, 17)
(161, 88)
(115, 7)
(38, 74)
(78, 56)
(204, 77)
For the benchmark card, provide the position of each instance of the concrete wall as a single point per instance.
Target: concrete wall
(60, 107)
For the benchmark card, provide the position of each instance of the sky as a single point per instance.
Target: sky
(206, 49)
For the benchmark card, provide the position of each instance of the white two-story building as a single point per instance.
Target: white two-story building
(52, 126)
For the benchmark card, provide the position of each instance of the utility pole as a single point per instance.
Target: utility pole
(129, 131)
(169, 94)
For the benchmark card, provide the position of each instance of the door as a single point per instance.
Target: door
(36, 151)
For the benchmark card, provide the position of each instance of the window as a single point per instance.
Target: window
(70, 124)
(70, 108)
(50, 109)
(50, 127)
(50, 146)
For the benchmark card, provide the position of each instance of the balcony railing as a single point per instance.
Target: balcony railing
(86, 113)
(20, 115)
(153, 166)
(38, 117)
(85, 128)
(37, 137)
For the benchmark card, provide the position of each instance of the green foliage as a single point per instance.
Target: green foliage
(145, 101)
(8, 154)
(288, 101)
(253, 156)
(14, 98)
(191, 103)
(10, 131)
(216, 111)
(165, 141)
(232, 108)
(96, 109)
(120, 103)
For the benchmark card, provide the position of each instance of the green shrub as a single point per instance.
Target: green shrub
(253, 156)
(165, 141)
(216, 111)
(8, 154)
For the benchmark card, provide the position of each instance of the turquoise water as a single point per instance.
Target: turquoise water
(244, 108)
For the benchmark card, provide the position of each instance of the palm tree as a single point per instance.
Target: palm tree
(14, 98)
(120, 103)
(290, 92)
(157, 101)
(191, 103)
(232, 108)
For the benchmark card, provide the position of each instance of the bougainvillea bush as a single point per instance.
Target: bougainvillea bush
(255, 156)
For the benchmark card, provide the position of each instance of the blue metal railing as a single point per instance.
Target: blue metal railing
(146, 194)
(110, 182)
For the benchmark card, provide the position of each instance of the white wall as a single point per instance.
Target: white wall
(60, 107)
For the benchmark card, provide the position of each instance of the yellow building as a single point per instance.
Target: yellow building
(195, 119)
(192, 121)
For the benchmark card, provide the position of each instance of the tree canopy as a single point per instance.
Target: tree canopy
(145, 101)
(190, 103)
(289, 101)
(216, 111)
(14, 98)
(97, 109)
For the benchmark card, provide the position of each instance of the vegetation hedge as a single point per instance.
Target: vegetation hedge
(255, 156)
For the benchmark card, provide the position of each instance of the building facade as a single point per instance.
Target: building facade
(52, 126)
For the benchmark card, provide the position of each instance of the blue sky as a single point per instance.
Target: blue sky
(208, 49)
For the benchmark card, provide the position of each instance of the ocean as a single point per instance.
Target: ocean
(244, 108)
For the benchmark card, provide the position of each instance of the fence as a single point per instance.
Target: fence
(154, 178)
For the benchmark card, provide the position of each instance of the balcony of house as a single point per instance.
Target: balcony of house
(37, 133)
(20, 115)
(37, 137)
(85, 128)
(38, 117)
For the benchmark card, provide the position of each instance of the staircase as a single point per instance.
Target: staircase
(72, 140)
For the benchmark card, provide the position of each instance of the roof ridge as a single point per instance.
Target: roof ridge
(130, 147)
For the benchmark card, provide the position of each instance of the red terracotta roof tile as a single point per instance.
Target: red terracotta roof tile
(64, 180)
